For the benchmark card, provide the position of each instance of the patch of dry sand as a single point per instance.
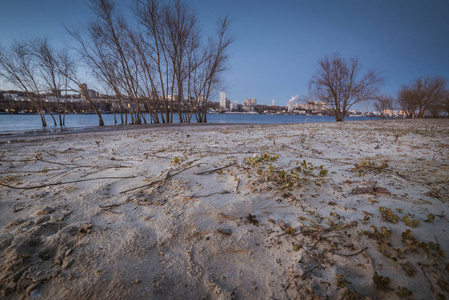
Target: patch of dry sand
(249, 212)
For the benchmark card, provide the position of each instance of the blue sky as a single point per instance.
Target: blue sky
(278, 43)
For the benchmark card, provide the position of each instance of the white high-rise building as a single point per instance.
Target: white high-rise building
(223, 100)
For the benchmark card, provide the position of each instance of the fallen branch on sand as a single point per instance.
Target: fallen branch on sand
(216, 169)
(61, 183)
(167, 176)
(352, 254)
(109, 207)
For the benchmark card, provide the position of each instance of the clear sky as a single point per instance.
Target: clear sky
(278, 43)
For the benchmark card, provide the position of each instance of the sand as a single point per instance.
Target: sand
(349, 210)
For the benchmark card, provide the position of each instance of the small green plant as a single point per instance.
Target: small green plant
(341, 281)
(10, 178)
(443, 285)
(409, 240)
(43, 171)
(334, 220)
(261, 158)
(176, 160)
(430, 218)
(388, 215)
(323, 172)
(403, 292)
(383, 238)
(290, 230)
(433, 250)
(408, 268)
(410, 223)
(305, 167)
(383, 233)
(365, 166)
(381, 282)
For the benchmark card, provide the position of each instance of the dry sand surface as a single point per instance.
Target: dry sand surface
(305, 211)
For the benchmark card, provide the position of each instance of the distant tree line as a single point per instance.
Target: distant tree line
(159, 65)
(340, 84)
(23, 105)
(424, 95)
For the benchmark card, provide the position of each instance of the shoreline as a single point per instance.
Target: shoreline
(86, 123)
(255, 211)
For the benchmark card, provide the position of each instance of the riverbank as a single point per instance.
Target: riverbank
(30, 124)
(309, 210)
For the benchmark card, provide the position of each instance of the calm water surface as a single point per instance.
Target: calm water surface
(32, 123)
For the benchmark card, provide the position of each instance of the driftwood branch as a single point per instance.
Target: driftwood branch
(303, 276)
(208, 195)
(432, 288)
(352, 254)
(167, 176)
(61, 183)
(214, 170)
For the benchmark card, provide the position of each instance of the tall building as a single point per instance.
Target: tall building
(247, 102)
(223, 100)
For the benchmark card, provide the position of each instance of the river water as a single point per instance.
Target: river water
(24, 123)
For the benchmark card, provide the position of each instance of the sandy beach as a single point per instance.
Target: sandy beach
(350, 210)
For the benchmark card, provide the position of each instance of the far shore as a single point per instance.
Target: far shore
(51, 129)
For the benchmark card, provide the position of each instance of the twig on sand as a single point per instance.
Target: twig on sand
(216, 169)
(167, 176)
(109, 207)
(208, 195)
(303, 276)
(432, 288)
(62, 182)
(100, 169)
(352, 254)
(18, 207)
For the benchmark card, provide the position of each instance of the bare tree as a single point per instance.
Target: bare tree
(437, 108)
(47, 61)
(149, 13)
(380, 105)
(337, 83)
(67, 67)
(212, 67)
(384, 103)
(446, 102)
(407, 101)
(113, 29)
(429, 92)
(171, 44)
(390, 105)
(104, 66)
(17, 67)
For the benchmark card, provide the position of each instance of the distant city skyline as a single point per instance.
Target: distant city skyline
(278, 43)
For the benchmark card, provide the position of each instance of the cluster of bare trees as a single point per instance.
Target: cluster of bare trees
(339, 84)
(36, 68)
(159, 64)
(424, 95)
(25, 65)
